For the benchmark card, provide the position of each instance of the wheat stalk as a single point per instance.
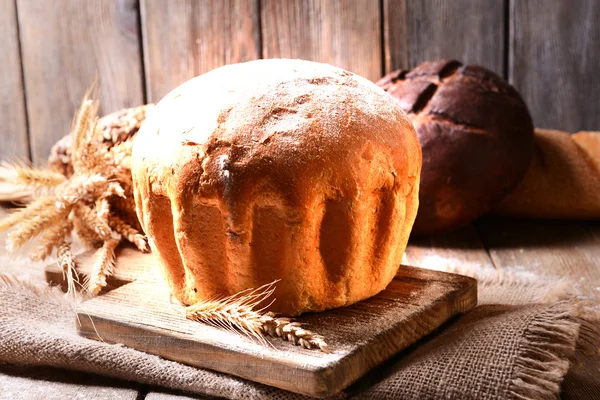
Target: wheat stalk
(66, 262)
(237, 314)
(104, 265)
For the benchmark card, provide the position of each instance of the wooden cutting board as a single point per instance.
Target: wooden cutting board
(136, 311)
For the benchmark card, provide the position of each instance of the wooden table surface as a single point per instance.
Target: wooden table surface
(528, 249)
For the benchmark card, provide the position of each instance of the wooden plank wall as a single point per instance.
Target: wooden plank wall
(138, 50)
(555, 61)
(13, 121)
(65, 46)
(345, 33)
(185, 38)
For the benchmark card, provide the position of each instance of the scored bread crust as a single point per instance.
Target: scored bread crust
(277, 169)
(476, 135)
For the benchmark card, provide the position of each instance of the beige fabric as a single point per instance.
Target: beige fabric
(562, 181)
(583, 379)
(42, 383)
(493, 352)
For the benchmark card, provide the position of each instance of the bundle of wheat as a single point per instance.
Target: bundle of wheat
(92, 196)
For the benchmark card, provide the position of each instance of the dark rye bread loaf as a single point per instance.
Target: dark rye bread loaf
(476, 135)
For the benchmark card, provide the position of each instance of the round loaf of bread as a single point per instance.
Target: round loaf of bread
(282, 170)
(476, 134)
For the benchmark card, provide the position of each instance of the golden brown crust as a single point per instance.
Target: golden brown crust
(278, 169)
(563, 180)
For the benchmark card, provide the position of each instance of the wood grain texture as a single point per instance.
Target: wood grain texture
(14, 143)
(395, 35)
(140, 315)
(461, 249)
(130, 267)
(66, 44)
(554, 249)
(553, 61)
(43, 383)
(345, 33)
(471, 31)
(185, 38)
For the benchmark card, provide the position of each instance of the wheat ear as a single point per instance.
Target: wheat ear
(81, 187)
(237, 313)
(30, 228)
(88, 237)
(33, 177)
(103, 209)
(293, 332)
(128, 232)
(85, 123)
(52, 238)
(38, 206)
(89, 218)
(104, 265)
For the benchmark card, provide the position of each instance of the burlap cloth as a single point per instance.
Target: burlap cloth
(493, 352)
